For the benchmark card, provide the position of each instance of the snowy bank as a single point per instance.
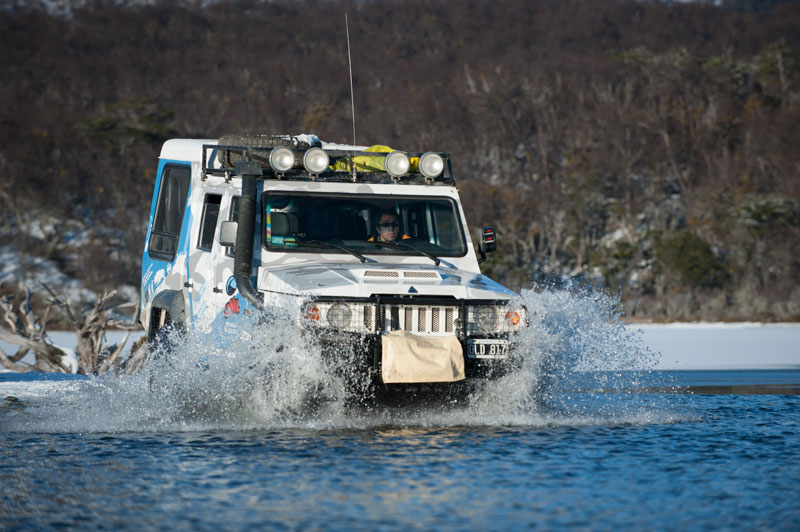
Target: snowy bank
(724, 346)
(682, 346)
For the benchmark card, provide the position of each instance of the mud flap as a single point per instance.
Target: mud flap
(409, 358)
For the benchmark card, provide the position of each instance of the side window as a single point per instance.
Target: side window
(445, 231)
(234, 217)
(416, 224)
(208, 224)
(169, 212)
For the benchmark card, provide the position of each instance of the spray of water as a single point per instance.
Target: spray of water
(579, 365)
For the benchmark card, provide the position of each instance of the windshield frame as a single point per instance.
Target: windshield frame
(368, 249)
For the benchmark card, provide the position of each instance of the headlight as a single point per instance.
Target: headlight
(339, 315)
(431, 164)
(486, 319)
(315, 160)
(281, 159)
(397, 164)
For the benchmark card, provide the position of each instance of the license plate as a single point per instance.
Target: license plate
(487, 348)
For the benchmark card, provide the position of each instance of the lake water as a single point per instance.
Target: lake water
(584, 436)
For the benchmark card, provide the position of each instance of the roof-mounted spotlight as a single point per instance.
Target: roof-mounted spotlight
(397, 164)
(315, 160)
(431, 165)
(281, 159)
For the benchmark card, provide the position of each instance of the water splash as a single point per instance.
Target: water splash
(580, 366)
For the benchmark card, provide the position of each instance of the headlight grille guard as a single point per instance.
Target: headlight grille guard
(431, 316)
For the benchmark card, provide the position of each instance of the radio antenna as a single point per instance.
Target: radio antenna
(350, 65)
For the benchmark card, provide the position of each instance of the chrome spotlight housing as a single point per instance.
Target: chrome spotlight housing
(431, 165)
(397, 164)
(315, 160)
(281, 159)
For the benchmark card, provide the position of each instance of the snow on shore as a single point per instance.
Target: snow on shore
(724, 346)
(683, 346)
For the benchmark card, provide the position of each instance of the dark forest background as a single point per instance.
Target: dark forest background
(651, 148)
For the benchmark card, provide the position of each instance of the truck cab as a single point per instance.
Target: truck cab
(370, 243)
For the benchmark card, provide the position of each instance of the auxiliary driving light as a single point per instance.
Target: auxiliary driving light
(397, 164)
(312, 313)
(431, 165)
(315, 160)
(512, 318)
(339, 315)
(486, 318)
(281, 159)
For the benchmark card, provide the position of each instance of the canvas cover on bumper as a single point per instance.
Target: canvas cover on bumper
(409, 358)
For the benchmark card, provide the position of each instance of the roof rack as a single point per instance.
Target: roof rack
(305, 158)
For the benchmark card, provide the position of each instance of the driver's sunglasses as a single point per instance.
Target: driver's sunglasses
(387, 225)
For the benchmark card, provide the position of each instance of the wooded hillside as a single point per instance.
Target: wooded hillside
(651, 148)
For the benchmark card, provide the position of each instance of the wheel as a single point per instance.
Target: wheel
(162, 333)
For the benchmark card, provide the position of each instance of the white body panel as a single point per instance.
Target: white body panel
(201, 279)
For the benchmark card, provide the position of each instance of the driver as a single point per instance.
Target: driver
(388, 228)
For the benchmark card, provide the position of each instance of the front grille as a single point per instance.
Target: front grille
(369, 319)
(418, 319)
(428, 317)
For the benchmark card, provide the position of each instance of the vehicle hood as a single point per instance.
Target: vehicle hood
(349, 280)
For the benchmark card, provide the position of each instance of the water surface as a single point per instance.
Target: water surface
(222, 439)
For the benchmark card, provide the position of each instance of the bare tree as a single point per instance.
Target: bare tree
(22, 327)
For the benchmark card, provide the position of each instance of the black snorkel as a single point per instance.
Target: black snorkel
(243, 251)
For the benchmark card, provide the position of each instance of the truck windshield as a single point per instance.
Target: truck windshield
(364, 224)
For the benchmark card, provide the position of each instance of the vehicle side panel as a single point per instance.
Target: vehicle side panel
(160, 275)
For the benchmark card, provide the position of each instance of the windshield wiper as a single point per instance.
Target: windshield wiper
(328, 245)
(406, 245)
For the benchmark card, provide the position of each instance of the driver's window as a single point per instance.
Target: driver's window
(415, 220)
(350, 225)
(442, 220)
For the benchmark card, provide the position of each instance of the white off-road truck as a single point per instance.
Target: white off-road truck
(371, 241)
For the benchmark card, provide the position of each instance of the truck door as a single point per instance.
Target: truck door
(204, 255)
(162, 271)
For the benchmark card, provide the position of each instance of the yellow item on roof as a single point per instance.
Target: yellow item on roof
(367, 163)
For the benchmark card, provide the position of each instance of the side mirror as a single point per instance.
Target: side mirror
(227, 233)
(488, 242)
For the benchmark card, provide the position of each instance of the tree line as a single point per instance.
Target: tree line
(647, 147)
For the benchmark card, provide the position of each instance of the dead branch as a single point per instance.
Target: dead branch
(90, 330)
(20, 326)
(112, 360)
(137, 358)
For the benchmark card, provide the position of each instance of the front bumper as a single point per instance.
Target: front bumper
(362, 355)
(350, 332)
